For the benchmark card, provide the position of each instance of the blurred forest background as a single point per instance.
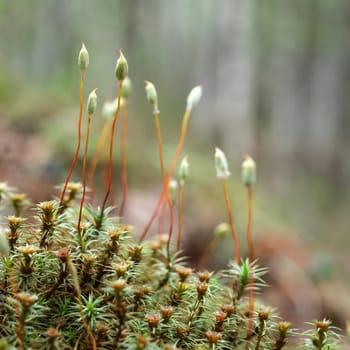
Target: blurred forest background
(276, 80)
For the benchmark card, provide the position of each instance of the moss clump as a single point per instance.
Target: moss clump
(73, 276)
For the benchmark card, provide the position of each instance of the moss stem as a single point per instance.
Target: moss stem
(82, 81)
(165, 179)
(230, 217)
(251, 259)
(84, 177)
(170, 174)
(179, 217)
(101, 142)
(110, 169)
(123, 169)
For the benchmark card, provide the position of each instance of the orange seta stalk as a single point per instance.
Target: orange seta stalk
(179, 217)
(230, 218)
(164, 178)
(161, 220)
(170, 174)
(249, 224)
(101, 142)
(84, 175)
(123, 169)
(160, 144)
(171, 220)
(110, 169)
(251, 259)
(82, 80)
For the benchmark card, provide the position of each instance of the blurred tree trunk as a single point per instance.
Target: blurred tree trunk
(231, 82)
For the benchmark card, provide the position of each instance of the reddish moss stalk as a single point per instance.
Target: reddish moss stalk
(161, 219)
(170, 174)
(251, 259)
(82, 81)
(230, 218)
(110, 169)
(123, 170)
(179, 218)
(101, 142)
(84, 176)
(249, 224)
(165, 180)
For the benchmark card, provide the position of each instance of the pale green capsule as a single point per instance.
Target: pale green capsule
(151, 93)
(221, 165)
(126, 88)
(83, 58)
(248, 171)
(92, 102)
(194, 97)
(184, 170)
(121, 68)
(221, 230)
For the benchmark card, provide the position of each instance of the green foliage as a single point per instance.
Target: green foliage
(132, 297)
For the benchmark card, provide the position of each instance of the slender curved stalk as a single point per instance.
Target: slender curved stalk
(251, 259)
(164, 177)
(165, 180)
(153, 216)
(84, 177)
(230, 217)
(160, 145)
(249, 224)
(123, 169)
(180, 144)
(82, 81)
(161, 219)
(110, 169)
(101, 142)
(171, 219)
(179, 217)
(170, 174)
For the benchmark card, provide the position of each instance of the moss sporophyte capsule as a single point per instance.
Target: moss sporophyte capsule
(151, 93)
(184, 170)
(92, 102)
(127, 88)
(221, 164)
(83, 58)
(152, 97)
(121, 68)
(194, 97)
(248, 171)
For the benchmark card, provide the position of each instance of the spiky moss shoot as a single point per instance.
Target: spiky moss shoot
(19, 201)
(192, 309)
